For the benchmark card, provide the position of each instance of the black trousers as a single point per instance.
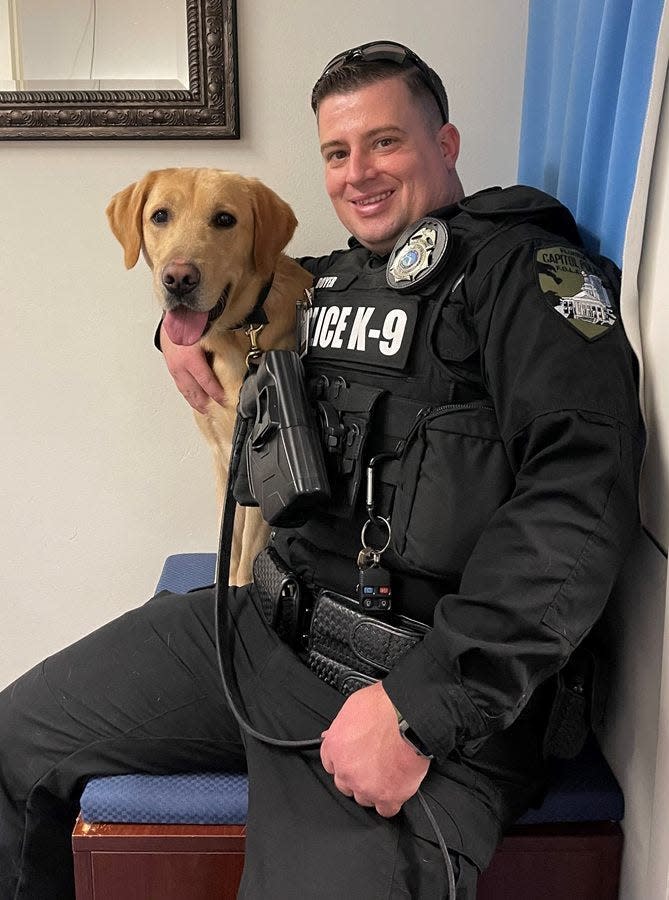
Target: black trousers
(143, 694)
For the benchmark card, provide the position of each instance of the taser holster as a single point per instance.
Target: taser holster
(282, 471)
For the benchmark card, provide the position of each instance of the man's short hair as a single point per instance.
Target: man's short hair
(357, 73)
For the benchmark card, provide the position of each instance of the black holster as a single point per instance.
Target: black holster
(283, 470)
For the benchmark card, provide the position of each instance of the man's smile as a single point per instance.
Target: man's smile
(369, 201)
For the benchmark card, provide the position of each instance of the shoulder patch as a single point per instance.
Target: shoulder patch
(574, 287)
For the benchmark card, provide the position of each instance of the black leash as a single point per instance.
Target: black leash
(225, 634)
(225, 639)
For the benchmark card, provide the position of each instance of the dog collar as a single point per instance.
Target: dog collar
(258, 316)
(254, 323)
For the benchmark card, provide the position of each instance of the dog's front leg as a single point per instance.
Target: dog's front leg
(254, 538)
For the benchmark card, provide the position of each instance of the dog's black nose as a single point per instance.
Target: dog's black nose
(180, 278)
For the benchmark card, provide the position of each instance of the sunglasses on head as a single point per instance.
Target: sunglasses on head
(390, 51)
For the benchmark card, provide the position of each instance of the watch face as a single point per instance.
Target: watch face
(413, 740)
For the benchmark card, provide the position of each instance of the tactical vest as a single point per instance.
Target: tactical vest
(407, 436)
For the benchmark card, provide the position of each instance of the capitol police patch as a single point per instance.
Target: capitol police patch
(418, 255)
(573, 286)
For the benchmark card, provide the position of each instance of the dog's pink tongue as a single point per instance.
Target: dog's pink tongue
(185, 326)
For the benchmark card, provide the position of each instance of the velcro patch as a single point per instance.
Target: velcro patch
(574, 287)
(376, 333)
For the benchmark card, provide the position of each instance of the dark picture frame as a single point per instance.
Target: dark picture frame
(208, 109)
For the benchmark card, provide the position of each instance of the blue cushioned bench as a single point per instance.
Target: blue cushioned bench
(577, 819)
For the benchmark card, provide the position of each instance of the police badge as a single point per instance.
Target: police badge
(418, 255)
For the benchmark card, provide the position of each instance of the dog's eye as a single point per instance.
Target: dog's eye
(160, 216)
(224, 220)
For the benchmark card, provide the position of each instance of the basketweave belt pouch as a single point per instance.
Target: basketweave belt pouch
(279, 593)
(349, 649)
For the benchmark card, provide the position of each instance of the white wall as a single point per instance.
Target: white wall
(636, 738)
(653, 280)
(654, 309)
(102, 471)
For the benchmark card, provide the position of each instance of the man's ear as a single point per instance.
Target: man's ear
(124, 214)
(449, 140)
(274, 225)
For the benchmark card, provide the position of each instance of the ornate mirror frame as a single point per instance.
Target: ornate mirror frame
(208, 109)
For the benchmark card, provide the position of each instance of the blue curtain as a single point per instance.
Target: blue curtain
(587, 80)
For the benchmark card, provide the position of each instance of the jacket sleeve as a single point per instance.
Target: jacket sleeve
(317, 265)
(542, 570)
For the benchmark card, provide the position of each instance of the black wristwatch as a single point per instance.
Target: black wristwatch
(411, 738)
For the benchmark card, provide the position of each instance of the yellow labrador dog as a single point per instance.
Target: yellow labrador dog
(213, 241)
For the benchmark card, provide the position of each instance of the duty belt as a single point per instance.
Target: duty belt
(343, 646)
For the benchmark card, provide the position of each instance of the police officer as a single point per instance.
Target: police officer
(470, 354)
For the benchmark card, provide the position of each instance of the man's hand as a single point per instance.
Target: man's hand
(192, 373)
(364, 751)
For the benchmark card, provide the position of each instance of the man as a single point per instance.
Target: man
(479, 354)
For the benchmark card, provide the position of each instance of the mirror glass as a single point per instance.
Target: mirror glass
(118, 69)
(93, 45)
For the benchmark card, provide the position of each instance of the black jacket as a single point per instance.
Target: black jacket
(515, 323)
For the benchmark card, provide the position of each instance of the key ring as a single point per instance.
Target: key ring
(374, 521)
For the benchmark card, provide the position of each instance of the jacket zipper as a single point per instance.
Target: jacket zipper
(430, 412)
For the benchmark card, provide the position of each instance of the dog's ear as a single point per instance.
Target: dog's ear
(274, 225)
(124, 214)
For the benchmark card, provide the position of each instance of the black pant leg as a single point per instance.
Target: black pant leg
(420, 871)
(140, 694)
(143, 694)
(306, 839)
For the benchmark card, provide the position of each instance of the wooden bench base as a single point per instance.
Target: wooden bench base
(197, 862)
(146, 862)
(555, 862)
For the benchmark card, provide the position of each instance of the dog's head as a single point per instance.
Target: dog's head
(211, 238)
